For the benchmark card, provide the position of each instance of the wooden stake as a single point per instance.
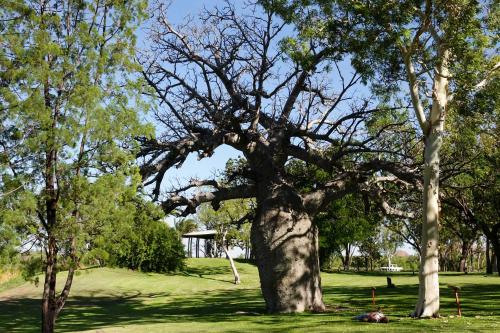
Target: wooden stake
(373, 295)
(456, 290)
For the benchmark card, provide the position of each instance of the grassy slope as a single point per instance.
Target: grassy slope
(203, 299)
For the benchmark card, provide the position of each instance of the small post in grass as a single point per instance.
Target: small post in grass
(456, 290)
(373, 296)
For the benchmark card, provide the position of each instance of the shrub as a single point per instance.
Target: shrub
(148, 245)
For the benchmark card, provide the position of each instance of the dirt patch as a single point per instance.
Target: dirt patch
(8, 275)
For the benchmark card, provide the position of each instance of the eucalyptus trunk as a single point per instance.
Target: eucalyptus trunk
(285, 242)
(428, 295)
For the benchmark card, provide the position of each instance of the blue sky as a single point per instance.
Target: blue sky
(207, 167)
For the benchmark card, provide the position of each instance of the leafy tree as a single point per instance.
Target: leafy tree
(471, 192)
(69, 108)
(370, 250)
(147, 244)
(229, 219)
(185, 225)
(389, 242)
(342, 228)
(10, 239)
(437, 48)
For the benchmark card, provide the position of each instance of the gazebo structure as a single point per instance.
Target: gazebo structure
(206, 235)
(209, 235)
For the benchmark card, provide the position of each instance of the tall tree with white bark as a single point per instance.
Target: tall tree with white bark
(426, 44)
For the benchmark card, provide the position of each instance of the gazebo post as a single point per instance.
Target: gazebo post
(197, 247)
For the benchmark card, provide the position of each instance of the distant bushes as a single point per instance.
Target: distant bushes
(152, 247)
(147, 244)
(360, 263)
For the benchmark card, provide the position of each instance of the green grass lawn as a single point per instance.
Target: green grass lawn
(203, 299)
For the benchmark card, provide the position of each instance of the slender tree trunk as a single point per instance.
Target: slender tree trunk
(347, 257)
(495, 261)
(463, 256)
(285, 242)
(49, 306)
(496, 264)
(478, 260)
(49, 303)
(489, 266)
(237, 279)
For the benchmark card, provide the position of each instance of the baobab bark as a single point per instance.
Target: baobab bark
(285, 242)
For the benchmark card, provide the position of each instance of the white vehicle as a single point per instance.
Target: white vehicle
(391, 268)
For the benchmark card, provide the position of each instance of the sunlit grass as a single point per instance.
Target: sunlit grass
(203, 299)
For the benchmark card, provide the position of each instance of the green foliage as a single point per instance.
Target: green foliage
(71, 105)
(147, 244)
(231, 219)
(70, 113)
(342, 225)
(389, 242)
(185, 225)
(32, 266)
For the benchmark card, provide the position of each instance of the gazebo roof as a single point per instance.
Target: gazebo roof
(206, 234)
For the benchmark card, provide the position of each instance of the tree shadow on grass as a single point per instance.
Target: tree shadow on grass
(93, 312)
(207, 272)
(135, 308)
(476, 299)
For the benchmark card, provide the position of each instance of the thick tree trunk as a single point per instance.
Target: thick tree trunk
(285, 242)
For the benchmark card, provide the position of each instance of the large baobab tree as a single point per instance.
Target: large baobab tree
(227, 80)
